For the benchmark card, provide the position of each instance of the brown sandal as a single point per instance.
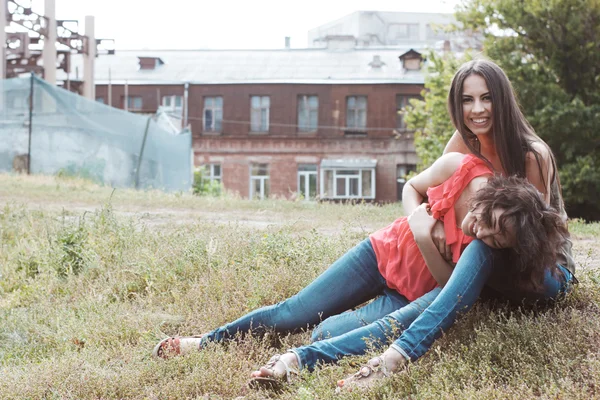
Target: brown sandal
(366, 374)
(176, 346)
(273, 383)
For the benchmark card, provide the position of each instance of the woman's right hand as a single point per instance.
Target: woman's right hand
(438, 235)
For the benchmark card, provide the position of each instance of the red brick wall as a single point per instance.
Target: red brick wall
(283, 147)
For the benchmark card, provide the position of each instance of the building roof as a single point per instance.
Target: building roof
(309, 66)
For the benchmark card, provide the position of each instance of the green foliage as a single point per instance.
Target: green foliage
(429, 117)
(550, 50)
(70, 243)
(203, 186)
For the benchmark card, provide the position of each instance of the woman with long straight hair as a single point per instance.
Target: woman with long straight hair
(490, 125)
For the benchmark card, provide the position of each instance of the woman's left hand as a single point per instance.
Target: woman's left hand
(421, 222)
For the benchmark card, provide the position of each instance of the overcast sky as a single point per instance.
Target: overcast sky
(224, 24)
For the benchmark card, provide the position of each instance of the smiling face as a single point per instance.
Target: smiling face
(491, 234)
(477, 105)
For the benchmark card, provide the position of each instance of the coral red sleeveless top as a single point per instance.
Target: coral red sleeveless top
(398, 258)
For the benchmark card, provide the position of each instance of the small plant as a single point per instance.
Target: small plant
(71, 246)
(203, 186)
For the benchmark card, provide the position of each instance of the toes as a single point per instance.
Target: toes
(264, 371)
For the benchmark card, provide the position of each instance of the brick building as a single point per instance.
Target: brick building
(320, 122)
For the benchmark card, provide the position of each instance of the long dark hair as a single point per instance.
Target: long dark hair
(539, 229)
(512, 134)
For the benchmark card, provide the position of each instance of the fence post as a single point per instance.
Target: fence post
(30, 125)
(137, 170)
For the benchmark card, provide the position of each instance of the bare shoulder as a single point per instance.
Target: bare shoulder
(450, 161)
(456, 144)
(542, 149)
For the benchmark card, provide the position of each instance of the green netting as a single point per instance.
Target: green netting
(77, 136)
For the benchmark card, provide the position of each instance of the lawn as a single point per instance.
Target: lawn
(92, 278)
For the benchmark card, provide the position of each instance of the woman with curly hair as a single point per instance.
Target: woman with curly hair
(489, 125)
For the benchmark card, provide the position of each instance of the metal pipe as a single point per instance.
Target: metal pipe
(30, 125)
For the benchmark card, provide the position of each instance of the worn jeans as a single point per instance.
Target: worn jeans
(349, 282)
(411, 327)
(477, 266)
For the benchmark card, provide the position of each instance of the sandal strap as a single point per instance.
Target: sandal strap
(288, 370)
(373, 368)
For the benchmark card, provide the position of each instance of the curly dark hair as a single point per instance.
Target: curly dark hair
(539, 228)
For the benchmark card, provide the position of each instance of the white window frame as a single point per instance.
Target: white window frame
(305, 111)
(305, 175)
(337, 174)
(264, 180)
(170, 103)
(215, 109)
(258, 119)
(210, 173)
(356, 112)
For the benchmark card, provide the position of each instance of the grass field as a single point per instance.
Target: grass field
(92, 278)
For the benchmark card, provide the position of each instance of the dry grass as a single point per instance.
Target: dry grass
(90, 282)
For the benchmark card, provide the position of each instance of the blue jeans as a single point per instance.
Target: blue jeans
(478, 265)
(349, 282)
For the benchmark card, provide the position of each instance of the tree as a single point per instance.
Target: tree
(550, 50)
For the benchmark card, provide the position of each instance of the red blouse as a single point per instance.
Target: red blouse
(399, 259)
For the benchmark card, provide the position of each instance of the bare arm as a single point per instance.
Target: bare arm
(540, 175)
(411, 199)
(421, 223)
(415, 189)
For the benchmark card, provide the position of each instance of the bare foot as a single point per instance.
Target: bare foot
(376, 369)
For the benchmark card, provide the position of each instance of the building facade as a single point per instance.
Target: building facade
(317, 123)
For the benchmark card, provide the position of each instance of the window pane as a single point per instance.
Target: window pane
(351, 102)
(312, 185)
(219, 102)
(255, 120)
(264, 123)
(362, 119)
(208, 120)
(366, 183)
(353, 186)
(313, 122)
(340, 186)
(256, 188)
(178, 101)
(313, 101)
(255, 102)
(266, 101)
(361, 102)
(302, 187)
(216, 170)
(350, 119)
(348, 172)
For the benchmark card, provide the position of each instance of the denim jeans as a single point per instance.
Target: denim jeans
(478, 265)
(350, 281)
(413, 329)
